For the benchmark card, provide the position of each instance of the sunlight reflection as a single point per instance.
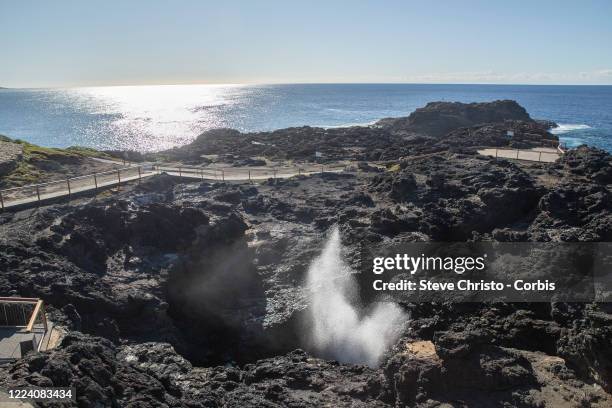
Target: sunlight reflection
(157, 117)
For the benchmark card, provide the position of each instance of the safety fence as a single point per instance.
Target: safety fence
(24, 325)
(246, 173)
(69, 186)
(544, 156)
(36, 193)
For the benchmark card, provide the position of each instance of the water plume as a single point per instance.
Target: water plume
(339, 328)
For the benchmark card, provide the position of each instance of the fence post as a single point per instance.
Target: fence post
(38, 193)
(119, 178)
(496, 152)
(540, 157)
(249, 175)
(1, 201)
(180, 172)
(69, 189)
(96, 181)
(517, 153)
(321, 169)
(222, 174)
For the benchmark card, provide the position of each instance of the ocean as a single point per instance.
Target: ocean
(149, 118)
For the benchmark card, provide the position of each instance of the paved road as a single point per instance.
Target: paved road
(32, 195)
(540, 154)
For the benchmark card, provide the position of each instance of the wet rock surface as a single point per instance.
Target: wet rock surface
(193, 294)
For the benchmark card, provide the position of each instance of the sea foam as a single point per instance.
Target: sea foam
(568, 127)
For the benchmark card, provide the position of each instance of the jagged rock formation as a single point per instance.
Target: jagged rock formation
(522, 135)
(588, 162)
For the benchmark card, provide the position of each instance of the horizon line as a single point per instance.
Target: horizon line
(291, 83)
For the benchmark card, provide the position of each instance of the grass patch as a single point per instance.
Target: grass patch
(33, 152)
(38, 161)
(88, 152)
(23, 174)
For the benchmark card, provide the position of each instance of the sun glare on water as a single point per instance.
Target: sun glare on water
(157, 117)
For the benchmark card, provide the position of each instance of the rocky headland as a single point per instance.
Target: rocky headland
(192, 294)
(437, 127)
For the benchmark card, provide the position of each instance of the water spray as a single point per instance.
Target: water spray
(339, 327)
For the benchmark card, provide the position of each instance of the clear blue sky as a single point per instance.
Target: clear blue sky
(65, 43)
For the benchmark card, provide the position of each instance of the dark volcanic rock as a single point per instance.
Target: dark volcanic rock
(525, 134)
(588, 347)
(439, 118)
(293, 143)
(592, 163)
(89, 364)
(153, 375)
(572, 212)
(470, 203)
(110, 261)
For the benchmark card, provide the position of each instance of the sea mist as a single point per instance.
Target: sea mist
(339, 328)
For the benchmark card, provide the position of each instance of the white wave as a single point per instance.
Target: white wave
(569, 127)
(344, 125)
(337, 327)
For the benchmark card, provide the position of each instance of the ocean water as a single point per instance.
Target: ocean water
(149, 118)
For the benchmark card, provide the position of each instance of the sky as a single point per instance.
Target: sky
(77, 43)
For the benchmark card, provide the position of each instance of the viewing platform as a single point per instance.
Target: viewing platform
(23, 327)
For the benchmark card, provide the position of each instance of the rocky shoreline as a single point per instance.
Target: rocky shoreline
(191, 294)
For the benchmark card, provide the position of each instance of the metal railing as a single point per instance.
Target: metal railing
(27, 315)
(36, 193)
(245, 173)
(517, 154)
(562, 147)
(22, 312)
(67, 187)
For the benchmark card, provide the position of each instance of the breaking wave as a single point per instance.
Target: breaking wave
(568, 127)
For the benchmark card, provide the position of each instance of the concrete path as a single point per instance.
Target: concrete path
(6, 402)
(540, 154)
(28, 196)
